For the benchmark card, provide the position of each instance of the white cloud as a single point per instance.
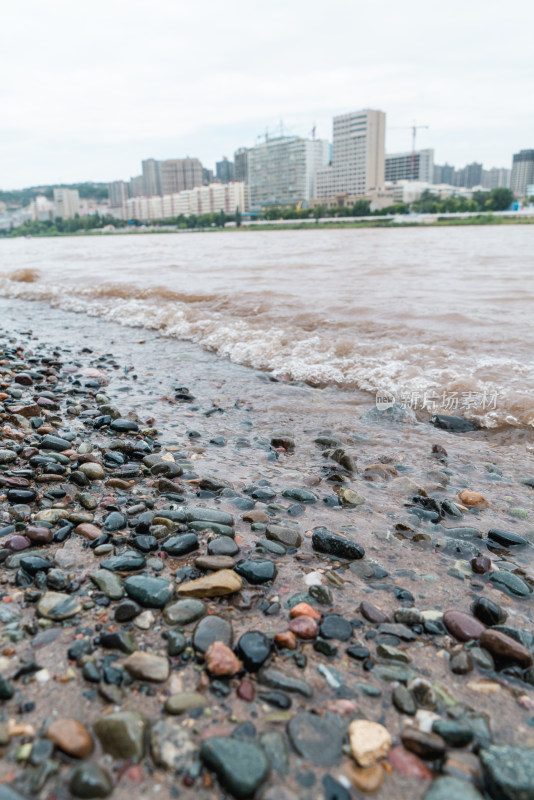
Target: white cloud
(89, 90)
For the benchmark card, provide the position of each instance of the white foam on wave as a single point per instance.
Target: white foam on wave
(495, 389)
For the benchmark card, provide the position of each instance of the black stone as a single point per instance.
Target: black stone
(253, 648)
(256, 570)
(333, 790)
(124, 425)
(325, 541)
(148, 591)
(453, 423)
(115, 521)
(506, 538)
(335, 627)
(129, 561)
(488, 612)
(127, 610)
(21, 495)
(223, 546)
(358, 653)
(34, 564)
(274, 698)
(181, 545)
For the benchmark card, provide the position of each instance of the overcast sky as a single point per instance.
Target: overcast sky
(88, 89)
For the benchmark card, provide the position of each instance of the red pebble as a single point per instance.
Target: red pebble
(408, 763)
(304, 627)
(245, 690)
(481, 564)
(17, 543)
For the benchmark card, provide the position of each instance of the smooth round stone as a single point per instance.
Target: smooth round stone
(185, 701)
(223, 546)
(17, 543)
(318, 739)
(148, 591)
(176, 643)
(21, 495)
(509, 772)
(127, 611)
(109, 583)
(336, 627)
(505, 648)
(39, 535)
(289, 537)
(253, 648)
(372, 613)
(425, 745)
(115, 521)
(129, 561)
(95, 472)
(481, 564)
(454, 733)
(122, 734)
(301, 495)
(332, 544)
(506, 538)
(403, 700)
(212, 629)
(70, 736)
(88, 531)
(180, 545)
(461, 663)
(256, 570)
(90, 781)
(122, 425)
(34, 564)
(510, 583)
(148, 667)
(240, 766)
(482, 658)
(214, 563)
(57, 606)
(489, 612)
(270, 547)
(184, 611)
(447, 787)
(369, 742)
(216, 584)
(463, 626)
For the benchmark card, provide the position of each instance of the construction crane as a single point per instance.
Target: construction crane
(413, 128)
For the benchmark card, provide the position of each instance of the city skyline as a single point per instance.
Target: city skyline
(87, 98)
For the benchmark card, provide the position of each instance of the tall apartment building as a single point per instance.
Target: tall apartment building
(136, 186)
(399, 166)
(358, 156)
(118, 193)
(151, 177)
(469, 176)
(522, 172)
(224, 170)
(281, 170)
(496, 178)
(241, 164)
(444, 174)
(180, 174)
(67, 203)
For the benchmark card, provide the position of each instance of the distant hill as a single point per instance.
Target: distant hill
(16, 198)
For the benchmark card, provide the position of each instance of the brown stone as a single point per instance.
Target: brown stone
(256, 515)
(119, 483)
(425, 745)
(220, 583)
(366, 779)
(408, 763)
(481, 564)
(505, 648)
(472, 499)
(71, 736)
(88, 531)
(221, 660)
(383, 471)
(286, 639)
(369, 741)
(38, 535)
(372, 613)
(214, 563)
(461, 662)
(245, 690)
(462, 625)
(146, 666)
(303, 627)
(304, 610)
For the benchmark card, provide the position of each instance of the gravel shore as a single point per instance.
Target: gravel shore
(244, 599)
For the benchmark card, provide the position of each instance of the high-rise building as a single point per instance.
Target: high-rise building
(281, 170)
(496, 178)
(207, 176)
(444, 174)
(136, 187)
(67, 203)
(522, 172)
(241, 164)
(118, 193)
(224, 170)
(151, 177)
(179, 174)
(358, 157)
(417, 166)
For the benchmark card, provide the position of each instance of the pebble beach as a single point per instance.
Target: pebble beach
(215, 585)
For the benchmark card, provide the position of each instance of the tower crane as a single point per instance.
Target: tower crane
(414, 128)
